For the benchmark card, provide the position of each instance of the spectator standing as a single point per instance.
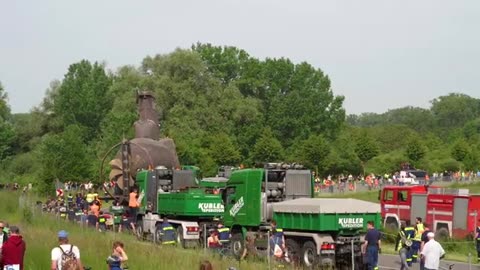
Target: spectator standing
(432, 253)
(3, 237)
(372, 246)
(66, 256)
(133, 205)
(13, 250)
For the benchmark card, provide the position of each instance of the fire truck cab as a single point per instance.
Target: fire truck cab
(449, 212)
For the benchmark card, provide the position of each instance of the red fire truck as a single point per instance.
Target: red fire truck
(450, 212)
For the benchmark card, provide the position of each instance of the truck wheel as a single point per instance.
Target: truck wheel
(157, 237)
(293, 250)
(442, 234)
(139, 230)
(237, 245)
(180, 239)
(309, 254)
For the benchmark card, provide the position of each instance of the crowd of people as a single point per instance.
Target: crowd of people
(64, 256)
(414, 244)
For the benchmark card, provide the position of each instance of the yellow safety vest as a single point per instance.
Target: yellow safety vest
(419, 231)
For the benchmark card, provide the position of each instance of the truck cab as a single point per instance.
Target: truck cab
(315, 232)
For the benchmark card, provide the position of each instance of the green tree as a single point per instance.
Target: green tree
(267, 148)
(7, 139)
(459, 150)
(472, 160)
(313, 152)
(223, 150)
(454, 110)
(366, 148)
(415, 150)
(4, 108)
(65, 157)
(83, 98)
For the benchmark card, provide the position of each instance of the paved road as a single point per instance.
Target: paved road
(393, 262)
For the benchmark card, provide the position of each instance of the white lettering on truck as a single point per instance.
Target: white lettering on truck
(350, 222)
(236, 207)
(211, 207)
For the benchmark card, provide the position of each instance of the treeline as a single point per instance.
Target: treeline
(223, 106)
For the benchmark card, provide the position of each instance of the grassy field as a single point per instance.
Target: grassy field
(39, 232)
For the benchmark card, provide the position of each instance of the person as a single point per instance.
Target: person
(133, 205)
(402, 247)
(3, 236)
(95, 209)
(167, 233)
(277, 238)
(102, 222)
(66, 256)
(250, 250)
(118, 257)
(212, 240)
(372, 246)
(417, 240)
(223, 234)
(205, 265)
(477, 240)
(13, 251)
(432, 253)
(422, 244)
(410, 233)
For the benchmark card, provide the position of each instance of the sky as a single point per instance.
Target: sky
(379, 54)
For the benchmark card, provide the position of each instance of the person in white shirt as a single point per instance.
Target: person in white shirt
(432, 252)
(64, 248)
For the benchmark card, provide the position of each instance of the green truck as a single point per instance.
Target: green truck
(318, 232)
(190, 203)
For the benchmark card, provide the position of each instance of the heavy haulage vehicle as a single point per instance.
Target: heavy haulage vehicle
(318, 232)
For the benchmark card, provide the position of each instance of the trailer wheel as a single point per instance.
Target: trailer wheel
(237, 244)
(157, 237)
(309, 254)
(139, 230)
(293, 249)
(180, 239)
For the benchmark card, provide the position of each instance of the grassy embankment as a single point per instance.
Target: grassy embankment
(39, 231)
(457, 250)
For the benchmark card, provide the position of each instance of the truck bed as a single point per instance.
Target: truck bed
(326, 215)
(326, 206)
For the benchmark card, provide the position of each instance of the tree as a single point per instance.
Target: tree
(4, 108)
(65, 157)
(454, 110)
(472, 160)
(267, 148)
(313, 152)
(7, 139)
(459, 150)
(365, 148)
(223, 150)
(83, 98)
(415, 150)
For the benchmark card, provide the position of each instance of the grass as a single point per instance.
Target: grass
(39, 231)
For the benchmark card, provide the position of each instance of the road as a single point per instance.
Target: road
(387, 261)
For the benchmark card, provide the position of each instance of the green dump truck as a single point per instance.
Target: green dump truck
(322, 232)
(190, 203)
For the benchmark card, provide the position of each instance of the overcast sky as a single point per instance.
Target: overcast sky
(378, 54)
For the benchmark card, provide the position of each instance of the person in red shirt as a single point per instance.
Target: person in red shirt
(13, 250)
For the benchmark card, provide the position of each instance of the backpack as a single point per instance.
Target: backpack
(69, 260)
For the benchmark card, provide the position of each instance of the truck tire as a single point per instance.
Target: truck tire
(293, 249)
(139, 230)
(309, 254)
(180, 240)
(157, 238)
(237, 245)
(442, 234)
